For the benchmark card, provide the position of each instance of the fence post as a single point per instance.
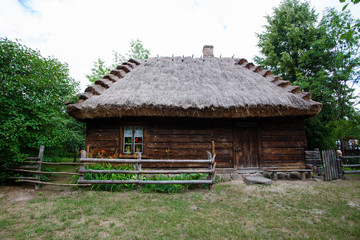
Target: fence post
(82, 166)
(210, 156)
(139, 169)
(38, 175)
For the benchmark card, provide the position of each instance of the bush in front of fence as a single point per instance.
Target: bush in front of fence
(161, 188)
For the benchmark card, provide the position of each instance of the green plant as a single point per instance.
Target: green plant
(171, 188)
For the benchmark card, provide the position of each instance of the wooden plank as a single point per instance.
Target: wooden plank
(178, 139)
(57, 163)
(284, 157)
(352, 165)
(145, 182)
(284, 151)
(349, 157)
(283, 133)
(55, 184)
(143, 160)
(179, 145)
(39, 172)
(275, 144)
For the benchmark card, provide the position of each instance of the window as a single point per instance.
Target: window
(133, 139)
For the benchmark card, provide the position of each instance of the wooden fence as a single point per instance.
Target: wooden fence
(210, 170)
(33, 165)
(345, 159)
(332, 165)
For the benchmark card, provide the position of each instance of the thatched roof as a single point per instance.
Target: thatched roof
(187, 87)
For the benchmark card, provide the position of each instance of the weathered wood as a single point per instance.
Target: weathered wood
(352, 171)
(179, 171)
(55, 184)
(284, 151)
(55, 163)
(139, 170)
(145, 182)
(40, 172)
(40, 156)
(82, 167)
(349, 157)
(331, 166)
(351, 165)
(27, 178)
(143, 160)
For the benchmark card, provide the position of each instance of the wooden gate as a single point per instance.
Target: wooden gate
(332, 165)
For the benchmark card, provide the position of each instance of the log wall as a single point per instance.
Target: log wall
(282, 142)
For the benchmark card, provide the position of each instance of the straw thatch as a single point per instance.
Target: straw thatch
(187, 87)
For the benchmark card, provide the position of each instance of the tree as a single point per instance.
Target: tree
(137, 51)
(33, 93)
(322, 63)
(290, 31)
(98, 70)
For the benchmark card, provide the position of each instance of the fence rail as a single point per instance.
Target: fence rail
(34, 165)
(139, 171)
(351, 165)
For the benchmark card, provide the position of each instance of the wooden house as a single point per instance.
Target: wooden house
(173, 107)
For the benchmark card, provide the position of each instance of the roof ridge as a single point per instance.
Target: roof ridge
(276, 79)
(101, 85)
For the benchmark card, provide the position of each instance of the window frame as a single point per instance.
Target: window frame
(133, 144)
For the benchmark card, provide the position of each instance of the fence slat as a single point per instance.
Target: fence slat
(135, 161)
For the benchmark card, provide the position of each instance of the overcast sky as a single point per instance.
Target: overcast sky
(79, 31)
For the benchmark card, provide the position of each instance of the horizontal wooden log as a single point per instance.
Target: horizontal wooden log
(56, 163)
(30, 171)
(145, 182)
(283, 138)
(349, 157)
(289, 170)
(99, 160)
(102, 138)
(283, 157)
(273, 144)
(353, 171)
(283, 133)
(351, 165)
(179, 145)
(27, 178)
(282, 151)
(28, 166)
(178, 139)
(148, 171)
(56, 184)
(103, 144)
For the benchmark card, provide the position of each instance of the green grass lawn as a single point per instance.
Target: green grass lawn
(233, 210)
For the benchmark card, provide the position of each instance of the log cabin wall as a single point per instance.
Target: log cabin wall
(281, 141)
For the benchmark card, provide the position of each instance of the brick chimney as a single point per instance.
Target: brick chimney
(208, 51)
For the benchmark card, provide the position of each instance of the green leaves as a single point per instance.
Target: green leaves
(33, 92)
(100, 69)
(322, 57)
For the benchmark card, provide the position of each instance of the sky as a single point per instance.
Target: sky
(80, 31)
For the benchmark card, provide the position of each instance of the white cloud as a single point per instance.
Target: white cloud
(80, 31)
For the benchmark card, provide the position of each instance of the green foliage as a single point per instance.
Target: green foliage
(137, 51)
(171, 188)
(98, 70)
(33, 93)
(289, 32)
(315, 57)
(111, 176)
(162, 188)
